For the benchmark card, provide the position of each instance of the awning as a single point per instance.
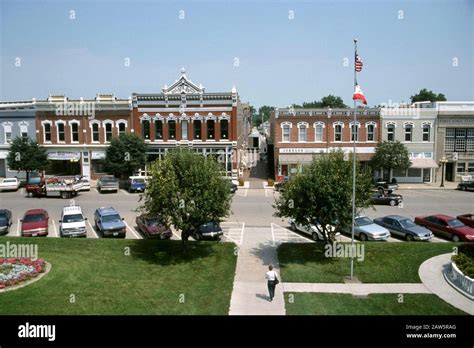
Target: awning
(423, 163)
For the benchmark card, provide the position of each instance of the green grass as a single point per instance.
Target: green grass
(374, 304)
(383, 262)
(103, 280)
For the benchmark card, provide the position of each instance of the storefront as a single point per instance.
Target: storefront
(421, 170)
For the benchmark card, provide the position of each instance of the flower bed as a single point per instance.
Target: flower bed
(16, 270)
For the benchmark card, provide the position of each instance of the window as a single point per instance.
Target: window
(158, 130)
(470, 140)
(408, 132)
(470, 168)
(426, 132)
(47, 132)
(121, 128)
(449, 140)
(302, 133)
(24, 130)
(172, 130)
(95, 132)
(460, 167)
(146, 129)
(108, 132)
(286, 133)
(61, 133)
(318, 133)
(459, 140)
(210, 129)
(370, 132)
(224, 129)
(390, 132)
(354, 132)
(197, 129)
(184, 130)
(338, 132)
(7, 127)
(75, 132)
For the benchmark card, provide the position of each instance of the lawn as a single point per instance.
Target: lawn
(155, 278)
(374, 304)
(383, 262)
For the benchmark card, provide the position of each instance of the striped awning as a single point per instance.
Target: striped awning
(423, 163)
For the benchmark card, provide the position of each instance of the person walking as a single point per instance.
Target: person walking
(272, 281)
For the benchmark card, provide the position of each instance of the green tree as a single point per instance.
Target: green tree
(187, 190)
(323, 193)
(125, 155)
(391, 155)
(425, 95)
(329, 101)
(26, 155)
(264, 113)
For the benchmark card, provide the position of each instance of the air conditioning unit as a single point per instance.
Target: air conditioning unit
(455, 156)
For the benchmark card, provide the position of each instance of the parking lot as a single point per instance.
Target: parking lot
(250, 208)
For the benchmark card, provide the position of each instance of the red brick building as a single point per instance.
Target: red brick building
(185, 115)
(300, 134)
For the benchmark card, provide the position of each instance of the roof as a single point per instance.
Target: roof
(107, 210)
(442, 216)
(35, 211)
(397, 217)
(72, 209)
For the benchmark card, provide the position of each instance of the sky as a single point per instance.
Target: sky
(274, 52)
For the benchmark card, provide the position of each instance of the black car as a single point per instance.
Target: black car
(387, 198)
(5, 221)
(210, 230)
(467, 185)
(404, 227)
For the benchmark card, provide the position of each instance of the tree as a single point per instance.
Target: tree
(329, 101)
(391, 155)
(125, 155)
(187, 190)
(425, 95)
(323, 193)
(264, 113)
(26, 155)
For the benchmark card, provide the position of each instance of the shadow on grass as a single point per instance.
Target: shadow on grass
(170, 252)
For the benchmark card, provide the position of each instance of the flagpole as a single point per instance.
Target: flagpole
(353, 165)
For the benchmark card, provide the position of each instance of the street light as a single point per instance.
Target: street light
(443, 162)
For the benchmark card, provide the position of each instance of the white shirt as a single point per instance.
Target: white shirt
(271, 275)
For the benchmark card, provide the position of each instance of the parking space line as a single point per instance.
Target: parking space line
(131, 230)
(242, 233)
(273, 234)
(95, 233)
(265, 192)
(437, 240)
(21, 191)
(177, 236)
(54, 228)
(126, 192)
(18, 228)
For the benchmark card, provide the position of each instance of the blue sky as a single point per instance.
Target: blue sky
(405, 46)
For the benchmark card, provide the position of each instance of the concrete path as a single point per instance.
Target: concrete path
(357, 289)
(431, 274)
(250, 294)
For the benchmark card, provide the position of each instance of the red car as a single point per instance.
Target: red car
(35, 223)
(466, 219)
(152, 227)
(447, 226)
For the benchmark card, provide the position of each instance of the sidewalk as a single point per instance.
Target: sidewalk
(448, 185)
(250, 293)
(358, 289)
(431, 274)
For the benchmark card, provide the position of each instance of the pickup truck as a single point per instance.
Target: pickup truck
(383, 186)
(107, 183)
(56, 186)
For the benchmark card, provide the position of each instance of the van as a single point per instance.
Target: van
(136, 184)
(73, 222)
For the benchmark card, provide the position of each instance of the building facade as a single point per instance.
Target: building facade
(300, 134)
(415, 127)
(76, 133)
(455, 139)
(17, 119)
(185, 115)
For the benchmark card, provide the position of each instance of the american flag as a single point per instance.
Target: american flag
(358, 63)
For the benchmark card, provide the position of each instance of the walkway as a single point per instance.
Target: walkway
(250, 294)
(358, 289)
(431, 274)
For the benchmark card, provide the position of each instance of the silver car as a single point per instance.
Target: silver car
(404, 227)
(312, 230)
(365, 229)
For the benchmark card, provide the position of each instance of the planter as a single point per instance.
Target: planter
(15, 271)
(459, 281)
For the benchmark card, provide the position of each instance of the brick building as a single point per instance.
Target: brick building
(299, 134)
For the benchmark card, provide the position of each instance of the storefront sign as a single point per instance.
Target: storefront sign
(97, 155)
(64, 155)
(301, 150)
(468, 121)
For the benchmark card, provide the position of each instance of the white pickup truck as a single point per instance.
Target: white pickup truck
(56, 186)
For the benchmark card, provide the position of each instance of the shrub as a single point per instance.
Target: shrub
(271, 182)
(464, 260)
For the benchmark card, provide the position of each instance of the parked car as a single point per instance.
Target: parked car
(311, 230)
(9, 184)
(404, 227)
(108, 221)
(386, 198)
(5, 221)
(447, 226)
(232, 185)
(466, 219)
(135, 184)
(210, 230)
(466, 185)
(86, 184)
(153, 227)
(72, 223)
(365, 229)
(35, 223)
(107, 183)
(382, 185)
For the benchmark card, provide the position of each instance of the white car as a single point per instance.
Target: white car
(9, 184)
(73, 222)
(311, 230)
